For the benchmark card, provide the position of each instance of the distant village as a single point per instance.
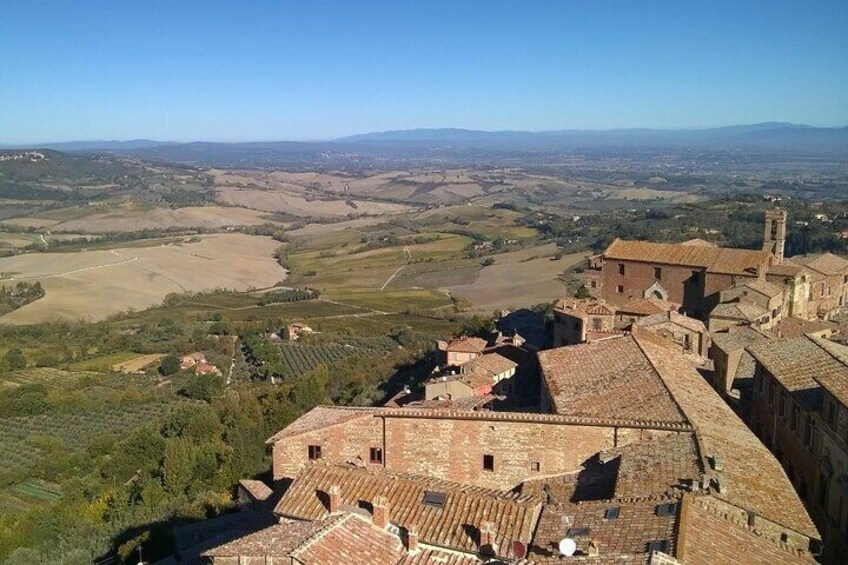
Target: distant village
(692, 410)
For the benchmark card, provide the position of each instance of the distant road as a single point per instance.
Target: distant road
(408, 257)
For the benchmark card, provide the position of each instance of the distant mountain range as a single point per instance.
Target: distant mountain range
(461, 144)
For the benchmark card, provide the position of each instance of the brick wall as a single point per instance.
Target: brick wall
(453, 449)
(678, 281)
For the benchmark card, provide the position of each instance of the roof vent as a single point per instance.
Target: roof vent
(667, 510)
(661, 545)
(577, 532)
(717, 463)
(432, 498)
(612, 513)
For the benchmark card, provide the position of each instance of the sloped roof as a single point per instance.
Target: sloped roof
(699, 241)
(835, 383)
(738, 338)
(744, 311)
(450, 525)
(609, 378)
(492, 363)
(713, 259)
(257, 489)
(351, 539)
(622, 540)
(673, 317)
(797, 362)
(764, 287)
(278, 540)
(708, 536)
(756, 480)
(640, 375)
(647, 306)
(785, 268)
(318, 418)
(582, 306)
(826, 263)
(467, 345)
(796, 327)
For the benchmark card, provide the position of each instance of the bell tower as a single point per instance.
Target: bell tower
(774, 234)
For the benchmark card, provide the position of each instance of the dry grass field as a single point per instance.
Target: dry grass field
(281, 200)
(96, 284)
(128, 220)
(518, 279)
(137, 363)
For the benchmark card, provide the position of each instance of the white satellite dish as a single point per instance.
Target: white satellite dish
(567, 547)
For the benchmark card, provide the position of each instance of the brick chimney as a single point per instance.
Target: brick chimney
(380, 515)
(335, 495)
(412, 538)
(487, 538)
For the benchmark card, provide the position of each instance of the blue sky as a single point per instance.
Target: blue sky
(269, 70)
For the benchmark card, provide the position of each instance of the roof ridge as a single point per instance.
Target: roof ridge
(637, 340)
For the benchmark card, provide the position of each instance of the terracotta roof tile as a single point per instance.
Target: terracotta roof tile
(785, 268)
(826, 263)
(436, 557)
(744, 311)
(257, 489)
(492, 363)
(713, 259)
(679, 319)
(737, 338)
(607, 379)
(467, 345)
(276, 541)
(764, 287)
(350, 539)
(647, 307)
(796, 327)
(756, 480)
(319, 417)
(449, 525)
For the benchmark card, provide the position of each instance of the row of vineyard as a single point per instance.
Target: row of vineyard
(25, 440)
(299, 359)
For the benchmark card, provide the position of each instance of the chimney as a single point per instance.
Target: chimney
(335, 496)
(380, 514)
(412, 538)
(487, 538)
(594, 548)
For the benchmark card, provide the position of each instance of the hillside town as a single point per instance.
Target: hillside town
(693, 410)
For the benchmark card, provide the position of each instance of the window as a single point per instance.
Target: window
(761, 383)
(619, 289)
(535, 466)
(781, 404)
(831, 414)
(488, 462)
(314, 452)
(793, 418)
(774, 313)
(593, 284)
(771, 393)
(657, 273)
(621, 269)
(808, 433)
(597, 324)
(822, 492)
(376, 455)
(612, 513)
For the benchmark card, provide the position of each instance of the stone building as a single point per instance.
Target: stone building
(579, 321)
(635, 460)
(462, 350)
(800, 412)
(689, 334)
(828, 283)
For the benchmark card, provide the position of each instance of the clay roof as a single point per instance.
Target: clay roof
(826, 263)
(699, 241)
(764, 287)
(276, 541)
(797, 362)
(467, 345)
(607, 378)
(647, 306)
(492, 363)
(318, 418)
(707, 535)
(622, 540)
(436, 557)
(713, 259)
(639, 376)
(452, 524)
(673, 317)
(737, 338)
(581, 307)
(785, 268)
(257, 489)
(835, 383)
(744, 311)
(654, 469)
(756, 480)
(351, 539)
(796, 327)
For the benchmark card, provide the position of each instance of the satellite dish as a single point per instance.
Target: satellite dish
(519, 550)
(567, 547)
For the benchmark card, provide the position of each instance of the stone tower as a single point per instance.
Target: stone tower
(774, 235)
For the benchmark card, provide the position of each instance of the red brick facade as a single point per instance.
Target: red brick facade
(453, 448)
